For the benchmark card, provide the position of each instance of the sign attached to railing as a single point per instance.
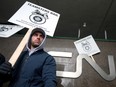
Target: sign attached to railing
(31, 15)
(87, 46)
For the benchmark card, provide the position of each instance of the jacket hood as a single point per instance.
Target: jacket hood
(29, 40)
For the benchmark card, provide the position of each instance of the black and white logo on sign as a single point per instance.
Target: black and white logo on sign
(4, 29)
(38, 18)
(86, 46)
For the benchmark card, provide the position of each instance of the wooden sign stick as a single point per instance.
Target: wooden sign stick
(20, 48)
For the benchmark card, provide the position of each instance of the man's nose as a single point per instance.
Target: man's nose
(38, 37)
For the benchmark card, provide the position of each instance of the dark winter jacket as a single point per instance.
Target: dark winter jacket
(34, 68)
(2, 60)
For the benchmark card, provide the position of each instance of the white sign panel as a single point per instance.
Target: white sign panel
(8, 30)
(87, 46)
(31, 15)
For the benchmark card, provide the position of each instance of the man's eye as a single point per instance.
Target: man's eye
(41, 36)
(35, 34)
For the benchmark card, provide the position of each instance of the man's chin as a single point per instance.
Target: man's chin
(36, 45)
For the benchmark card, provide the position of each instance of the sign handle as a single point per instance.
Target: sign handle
(92, 58)
(20, 48)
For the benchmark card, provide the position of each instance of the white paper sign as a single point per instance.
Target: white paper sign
(31, 15)
(87, 46)
(8, 30)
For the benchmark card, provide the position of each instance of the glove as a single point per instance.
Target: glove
(5, 71)
(2, 59)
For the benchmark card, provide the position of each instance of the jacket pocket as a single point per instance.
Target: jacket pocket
(35, 82)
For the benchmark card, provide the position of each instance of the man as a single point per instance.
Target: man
(34, 67)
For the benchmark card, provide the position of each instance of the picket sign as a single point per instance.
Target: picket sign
(20, 48)
(25, 17)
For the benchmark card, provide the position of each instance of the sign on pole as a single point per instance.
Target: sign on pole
(8, 30)
(31, 15)
(87, 46)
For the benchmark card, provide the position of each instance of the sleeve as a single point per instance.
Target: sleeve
(1, 83)
(2, 58)
(49, 72)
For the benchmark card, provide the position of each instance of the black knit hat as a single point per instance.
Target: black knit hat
(38, 30)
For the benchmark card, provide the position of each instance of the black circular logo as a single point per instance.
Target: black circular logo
(36, 18)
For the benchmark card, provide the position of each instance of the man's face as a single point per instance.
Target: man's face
(36, 39)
